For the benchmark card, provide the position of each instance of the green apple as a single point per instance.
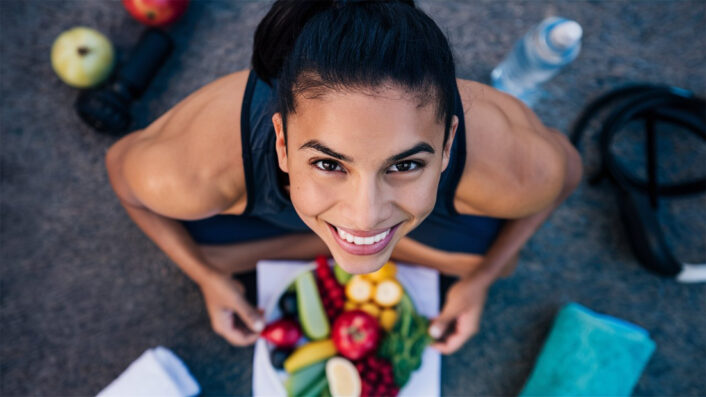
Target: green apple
(82, 57)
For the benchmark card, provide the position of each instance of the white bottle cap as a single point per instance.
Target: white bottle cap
(565, 34)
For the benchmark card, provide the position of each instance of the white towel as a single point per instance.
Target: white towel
(422, 284)
(157, 372)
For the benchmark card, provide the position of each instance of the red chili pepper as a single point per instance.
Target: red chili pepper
(282, 333)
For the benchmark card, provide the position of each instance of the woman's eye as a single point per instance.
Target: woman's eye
(405, 166)
(327, 165)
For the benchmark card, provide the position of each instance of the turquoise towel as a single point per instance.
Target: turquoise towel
(589, 354)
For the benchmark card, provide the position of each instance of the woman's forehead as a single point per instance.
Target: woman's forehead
(365, 127)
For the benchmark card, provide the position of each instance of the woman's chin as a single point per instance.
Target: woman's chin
(360, 265)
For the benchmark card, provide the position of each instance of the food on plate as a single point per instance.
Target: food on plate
(371, 308)
(387, 271)
(388, 293)
(387, 319)
(341, 275)
(312, 316)
(278, 356)
(305, 378)
(343, 378)
(377, 377)
(359, 289)
(355, 334)
(404, 345)
(288, 304)
(330, 290)
(308, 354)
(282, 333)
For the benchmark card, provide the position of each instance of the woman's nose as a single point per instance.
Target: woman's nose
(368, 205)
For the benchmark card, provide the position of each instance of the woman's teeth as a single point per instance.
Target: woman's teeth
(362, 240)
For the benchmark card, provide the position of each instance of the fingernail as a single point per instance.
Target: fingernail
(258, 325)
(435, 331)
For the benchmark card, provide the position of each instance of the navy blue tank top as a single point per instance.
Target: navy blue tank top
(443, 229)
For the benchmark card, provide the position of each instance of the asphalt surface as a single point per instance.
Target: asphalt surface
(84, 292)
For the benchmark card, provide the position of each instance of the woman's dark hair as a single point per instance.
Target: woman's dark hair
(311, 47)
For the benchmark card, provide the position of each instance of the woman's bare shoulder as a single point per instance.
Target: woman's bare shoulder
(514, 166)
(187, 164)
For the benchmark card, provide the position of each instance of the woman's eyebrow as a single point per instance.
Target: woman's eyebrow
(317, 145)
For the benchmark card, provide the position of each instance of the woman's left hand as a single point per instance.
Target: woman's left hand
(460, 317)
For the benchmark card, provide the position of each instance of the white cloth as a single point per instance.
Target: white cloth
(157, 372)
(422, 284)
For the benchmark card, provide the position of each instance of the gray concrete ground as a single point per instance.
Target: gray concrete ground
(84, 292)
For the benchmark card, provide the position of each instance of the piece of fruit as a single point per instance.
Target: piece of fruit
(355, 334)
(278, 356)
(288, 304)
(359, 289)
(388, 293)
(387, 319)
(350, 305)
(341, 275)
(156, 12)
(371, 308)
(298, 382)
(343, 378)
(308, 354)
(387, 271)
(312, 316)
(332, 294)
(283, 333)
(82, 57)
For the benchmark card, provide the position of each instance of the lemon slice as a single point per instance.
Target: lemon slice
(388, 293)
(359, 289)
(343, 378)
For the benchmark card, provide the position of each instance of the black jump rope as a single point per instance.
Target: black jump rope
(638, 198)
(107, 110)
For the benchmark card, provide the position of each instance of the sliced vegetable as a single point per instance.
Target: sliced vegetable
(343, 378)
(311, 311)
(388, 293)
(300, 381)
(359, 289)
(387, 271)
(309, 353)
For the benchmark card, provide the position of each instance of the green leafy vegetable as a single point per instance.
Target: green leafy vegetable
(405, 344)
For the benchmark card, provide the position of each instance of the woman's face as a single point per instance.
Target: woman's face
(363, 170)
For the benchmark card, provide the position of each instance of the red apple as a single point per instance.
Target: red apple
(355, 334)
(156, 12)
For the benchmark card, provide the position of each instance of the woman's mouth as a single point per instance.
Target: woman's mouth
(363, 243)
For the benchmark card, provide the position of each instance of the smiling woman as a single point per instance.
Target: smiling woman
(353, 126)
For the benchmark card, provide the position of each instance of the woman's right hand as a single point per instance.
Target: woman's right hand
(226, 304)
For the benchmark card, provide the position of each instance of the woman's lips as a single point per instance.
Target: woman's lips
(363, 249)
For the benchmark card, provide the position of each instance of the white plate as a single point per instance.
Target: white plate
(421, 285)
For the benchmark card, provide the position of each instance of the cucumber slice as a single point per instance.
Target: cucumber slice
(305, 378)
(311, 311)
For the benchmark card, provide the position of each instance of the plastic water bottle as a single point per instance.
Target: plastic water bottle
(537, 57)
